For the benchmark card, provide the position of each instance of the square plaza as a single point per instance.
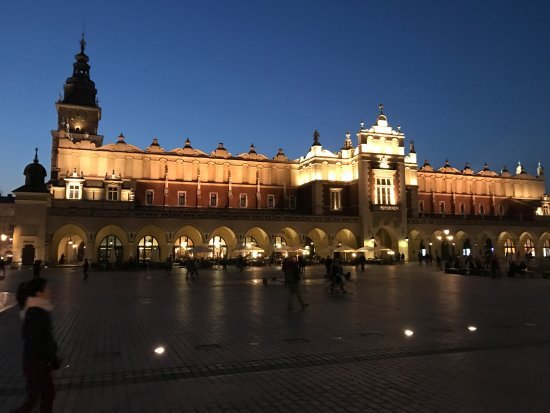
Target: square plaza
(230, 344)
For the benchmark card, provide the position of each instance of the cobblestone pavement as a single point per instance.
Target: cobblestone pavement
(232, 346)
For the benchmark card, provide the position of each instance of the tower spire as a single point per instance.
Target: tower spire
(82, 43)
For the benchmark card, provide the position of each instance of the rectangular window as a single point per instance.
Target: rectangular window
(442, 207)
(149, 197)
(112, 193)
(73, 191)
(336, 199)
(213, 199)
(271, 201)
(243, 200)
(384, 191)
(292, 202)
(182, 198)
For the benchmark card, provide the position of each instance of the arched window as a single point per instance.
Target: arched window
(148, 249)
(182, 247)
(279, 242)
(509, 248)
(529, 248)
(546, 249)
(250, 241)
(110, 250)
(219, 247)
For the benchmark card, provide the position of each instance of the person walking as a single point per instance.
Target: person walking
(3, 267)
(85, 268)
(36, 267)
(39, 346)
(291, 271)
(169, 262)
(362, 262)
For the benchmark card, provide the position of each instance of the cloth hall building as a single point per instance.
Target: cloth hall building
(115, 201)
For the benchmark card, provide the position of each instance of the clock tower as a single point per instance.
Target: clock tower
(78, 112)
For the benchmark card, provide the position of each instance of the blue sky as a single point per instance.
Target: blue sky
(468, 81)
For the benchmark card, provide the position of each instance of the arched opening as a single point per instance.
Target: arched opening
(488, 248)
(546, 248)
(218, 247)
(148, 249)
(250, 241)
(183, 248)
(529, 248)
(110, 250)
(467, 248)
(71, 249)
(509, 248)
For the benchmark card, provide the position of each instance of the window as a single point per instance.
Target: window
(213, 199)
(442, 207)
(271, 201)
(218, 247)
(183, 246)
(509, 249)
(336, 199)
(182, 198)
(481, 210)
(462, 209)
(243, 200)
(73, 191)
(421, 206)
(292, 202)
(529, 248)
(250, 241)
(149, 197)
(112, 193)
(148, 249)
(501, 210)
(546, 249)
(384, 191)
(110, 250)
(279, 242)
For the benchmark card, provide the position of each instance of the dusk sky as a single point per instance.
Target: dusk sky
(468, 80)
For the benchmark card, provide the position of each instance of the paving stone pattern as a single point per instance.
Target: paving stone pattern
(232, 346)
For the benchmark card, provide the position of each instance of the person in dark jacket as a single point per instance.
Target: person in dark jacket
(39, 346)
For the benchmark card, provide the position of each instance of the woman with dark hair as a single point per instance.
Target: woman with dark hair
(39, 346)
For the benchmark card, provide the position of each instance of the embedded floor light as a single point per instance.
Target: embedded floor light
(159, 350)
(472, 328)
(409, 333)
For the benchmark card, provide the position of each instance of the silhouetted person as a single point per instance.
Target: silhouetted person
(62, 259)
(39, 346)
(292, 279)
(2, 267)
(36, 268)
(85, 268)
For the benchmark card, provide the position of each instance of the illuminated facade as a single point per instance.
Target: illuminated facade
(115, 201)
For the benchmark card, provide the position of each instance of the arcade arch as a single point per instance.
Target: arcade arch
(68, 244)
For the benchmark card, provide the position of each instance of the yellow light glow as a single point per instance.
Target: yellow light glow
(3, 237)
(159, 350)
(446, 231)
(408, 333)
(472, 328)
